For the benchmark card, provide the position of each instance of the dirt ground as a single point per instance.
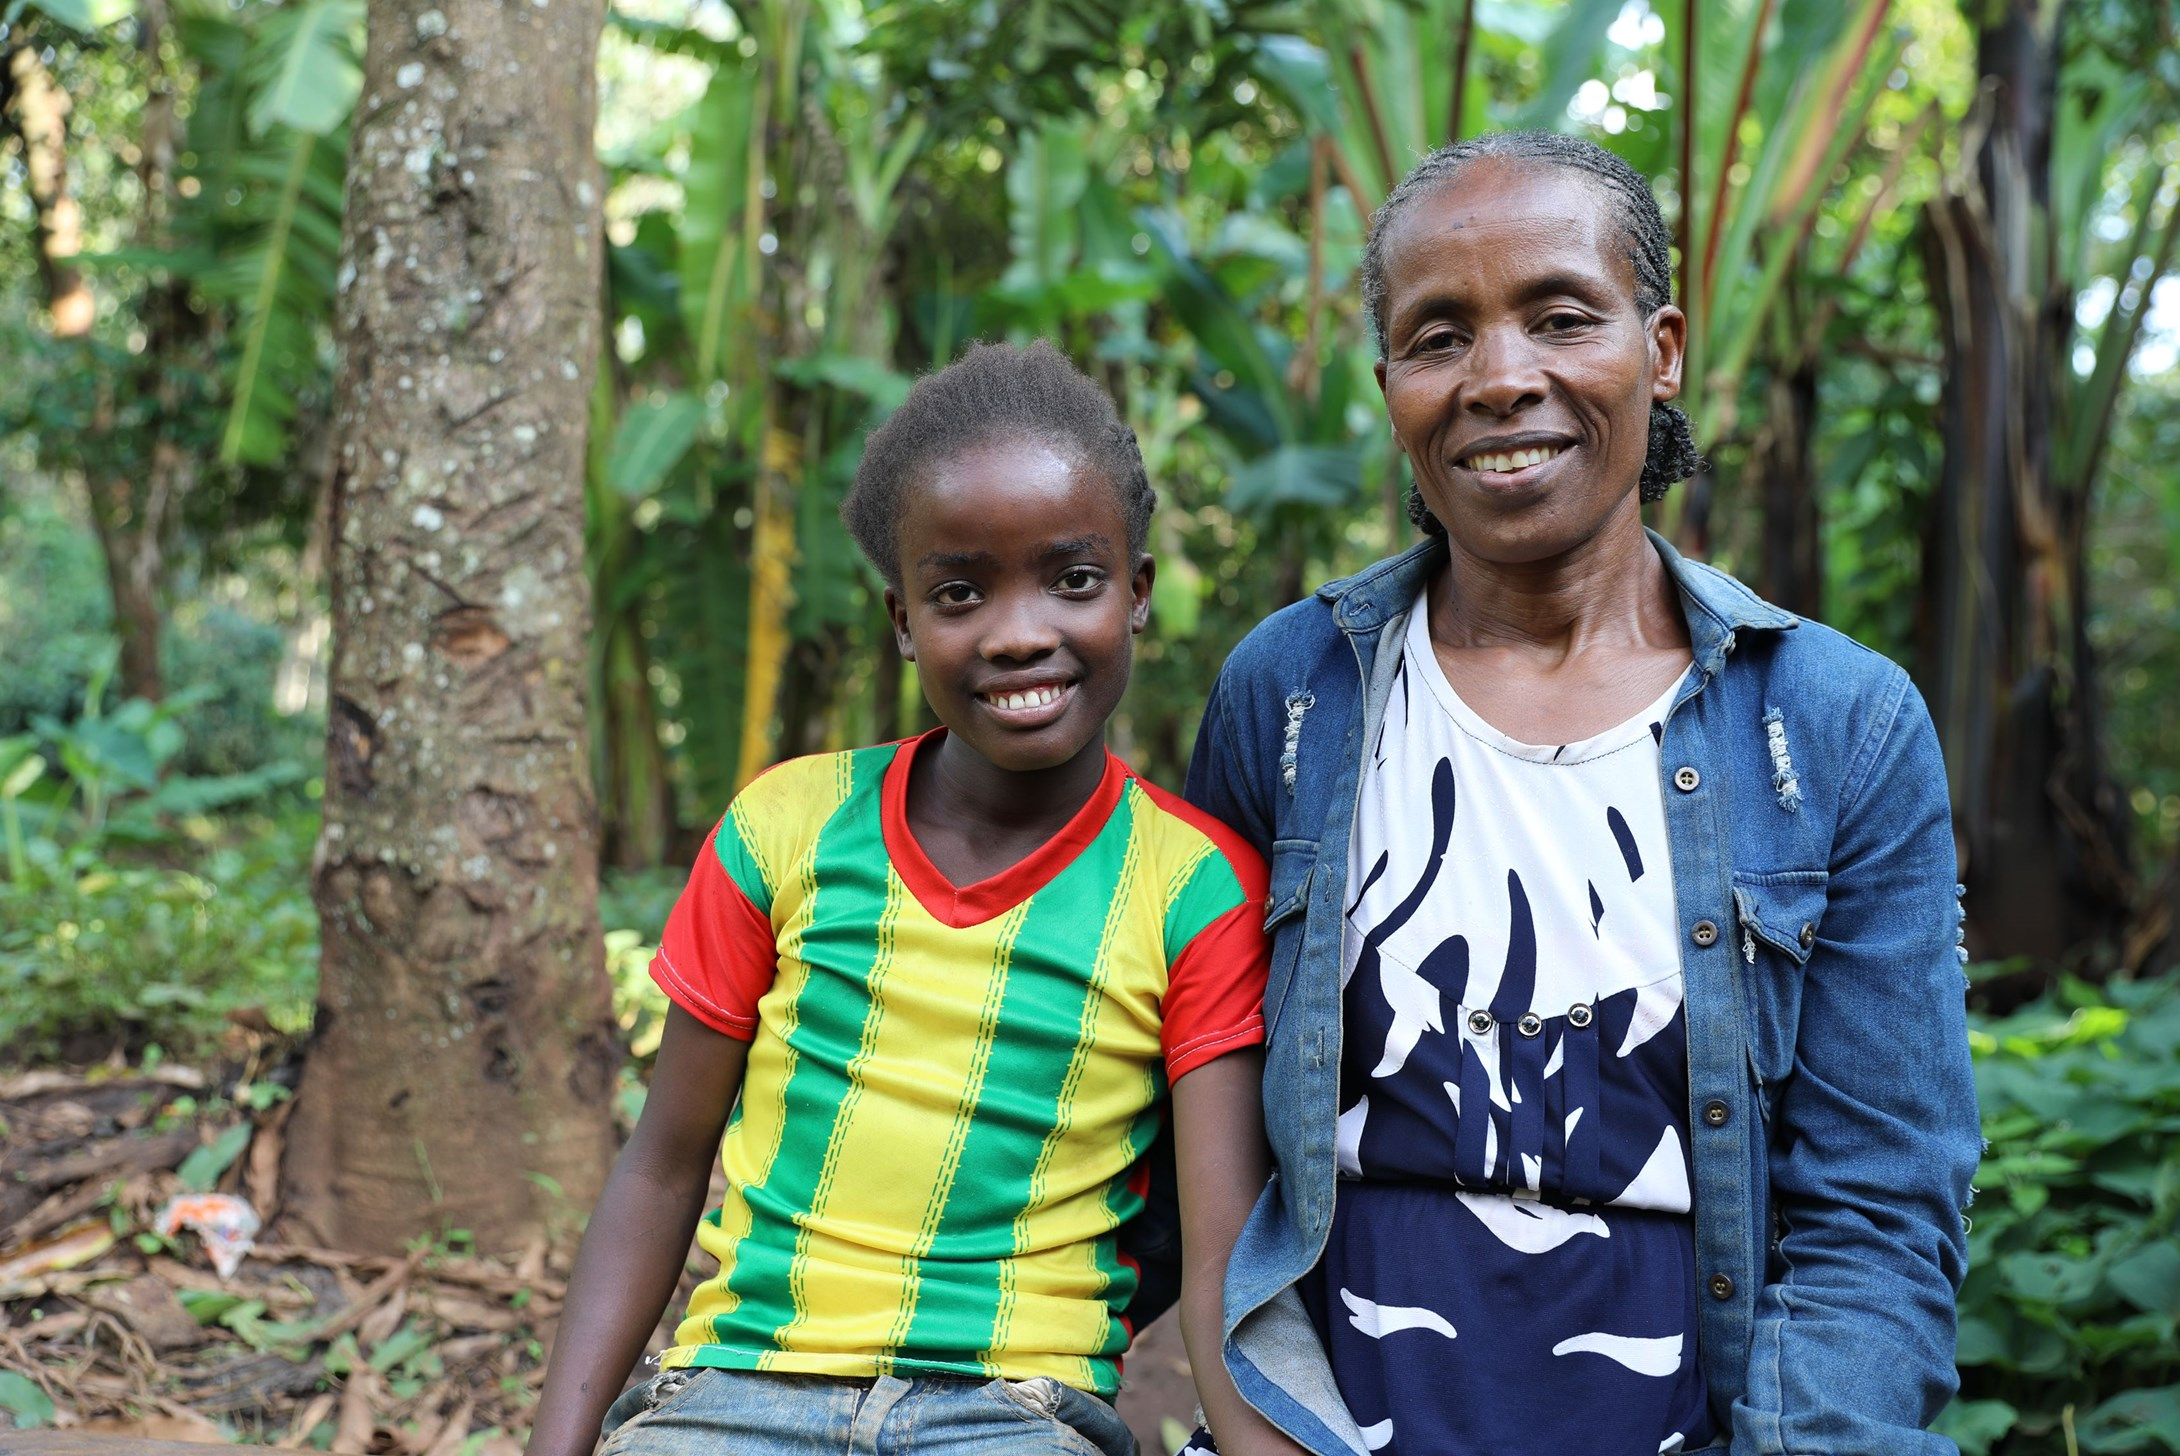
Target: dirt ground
(109, 1325)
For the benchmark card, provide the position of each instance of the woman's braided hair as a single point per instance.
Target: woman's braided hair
(1672, 454)
(991, 393)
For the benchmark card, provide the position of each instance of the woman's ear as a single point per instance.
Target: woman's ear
(897, 613)
(1668, 351)
(1139, 587)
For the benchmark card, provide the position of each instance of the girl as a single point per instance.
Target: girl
(946, 985)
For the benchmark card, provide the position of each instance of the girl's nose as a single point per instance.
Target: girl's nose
(1020, 629)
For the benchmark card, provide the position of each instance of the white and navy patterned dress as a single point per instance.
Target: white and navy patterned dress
(1511, 1266)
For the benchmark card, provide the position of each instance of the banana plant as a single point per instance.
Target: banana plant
(256, 221)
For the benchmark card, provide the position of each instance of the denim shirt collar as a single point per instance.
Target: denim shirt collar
(1714, 604)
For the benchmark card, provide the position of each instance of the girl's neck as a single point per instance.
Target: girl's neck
(956, 787)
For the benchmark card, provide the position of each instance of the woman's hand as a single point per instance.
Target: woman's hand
(1218, 1137)
(639, 1234)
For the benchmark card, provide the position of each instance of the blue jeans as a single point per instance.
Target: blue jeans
(755, 1413)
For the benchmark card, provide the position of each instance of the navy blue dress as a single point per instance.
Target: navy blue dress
(1511, 1266)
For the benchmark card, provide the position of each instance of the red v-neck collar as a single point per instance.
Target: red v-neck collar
(963, 906)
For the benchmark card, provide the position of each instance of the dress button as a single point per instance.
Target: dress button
(1809, 936)
(1579, 1016)
(1685, 779)
(1721, 1287)
(1705, 933)
(1530, 1024)
(1715, 1113)
(1479, 1022)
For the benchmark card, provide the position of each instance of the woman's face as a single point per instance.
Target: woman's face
(1519, 373)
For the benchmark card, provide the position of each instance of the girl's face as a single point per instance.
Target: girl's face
(1018, 602)
(1519, 373)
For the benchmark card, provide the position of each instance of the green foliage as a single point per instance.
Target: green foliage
(228, 662)
(2069, 1312)
(55, 615)
(97, 953)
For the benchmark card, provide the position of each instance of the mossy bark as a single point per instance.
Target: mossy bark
(463, 1060)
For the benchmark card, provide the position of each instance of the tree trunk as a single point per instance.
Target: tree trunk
(1792, 571)
(2002, 667)
(464, 1050)
(39, 110)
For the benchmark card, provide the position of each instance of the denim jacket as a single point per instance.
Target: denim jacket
(1831, 1107)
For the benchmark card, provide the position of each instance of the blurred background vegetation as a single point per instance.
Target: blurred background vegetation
(1935, 364)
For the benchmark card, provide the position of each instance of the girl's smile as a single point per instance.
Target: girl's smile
(1018, 603)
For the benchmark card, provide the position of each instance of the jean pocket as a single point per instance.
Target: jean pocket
(1046, 1404)
(662, 1393)
(1779, 914)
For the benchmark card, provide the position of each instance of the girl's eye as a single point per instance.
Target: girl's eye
(1080, 579)
(953, 594)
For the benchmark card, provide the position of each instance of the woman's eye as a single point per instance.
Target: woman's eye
(1561, 322)
(1436, 343)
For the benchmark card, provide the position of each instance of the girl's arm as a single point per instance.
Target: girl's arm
(1218, 1133)
(639, 1234)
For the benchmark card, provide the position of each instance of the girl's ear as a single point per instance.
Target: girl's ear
(1139, 586)
(897, 613)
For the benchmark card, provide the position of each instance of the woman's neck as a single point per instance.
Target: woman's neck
(1610, 590)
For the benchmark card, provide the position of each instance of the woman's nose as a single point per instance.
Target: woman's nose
(1505, 372)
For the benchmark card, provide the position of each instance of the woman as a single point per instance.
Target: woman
(1617, 1075)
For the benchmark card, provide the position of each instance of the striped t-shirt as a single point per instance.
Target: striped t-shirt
(949, 1090)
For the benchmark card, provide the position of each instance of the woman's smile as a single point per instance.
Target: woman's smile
(1519, 371)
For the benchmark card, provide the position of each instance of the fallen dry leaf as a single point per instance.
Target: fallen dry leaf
(180, 1425)
(65, 1250)
(148, 1306)
(383, 1321)
(455, 1430)
(262, 1179)
(357, 1421)
(307, 1419)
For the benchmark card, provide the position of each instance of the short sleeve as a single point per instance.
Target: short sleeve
(719, 954)
(1217, 953)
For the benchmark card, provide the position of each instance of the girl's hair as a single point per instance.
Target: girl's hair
(1672, 455)
(993, 392)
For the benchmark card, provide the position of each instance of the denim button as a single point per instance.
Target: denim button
(1809, 936)
(1721, 1287)
(1579, 1016)
(1685, 779)
(1705, 933)
(1479, 1022)
(1715, 1113)
(1531, 1024)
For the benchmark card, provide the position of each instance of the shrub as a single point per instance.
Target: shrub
(95, 955)
(55, 614)
(2068, 1315)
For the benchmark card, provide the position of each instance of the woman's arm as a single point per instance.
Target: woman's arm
(639, 1234)
(1218, 1131)
(1874, 1136)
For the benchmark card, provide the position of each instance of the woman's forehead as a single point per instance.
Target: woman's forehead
(1501, 217)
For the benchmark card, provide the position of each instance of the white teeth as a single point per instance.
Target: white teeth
(1505, 461)
(1034, 698)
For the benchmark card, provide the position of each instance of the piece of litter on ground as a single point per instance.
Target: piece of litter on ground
(227, 1224)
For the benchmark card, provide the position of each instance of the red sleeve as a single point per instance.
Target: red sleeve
(1215, 992)
(718, 955)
